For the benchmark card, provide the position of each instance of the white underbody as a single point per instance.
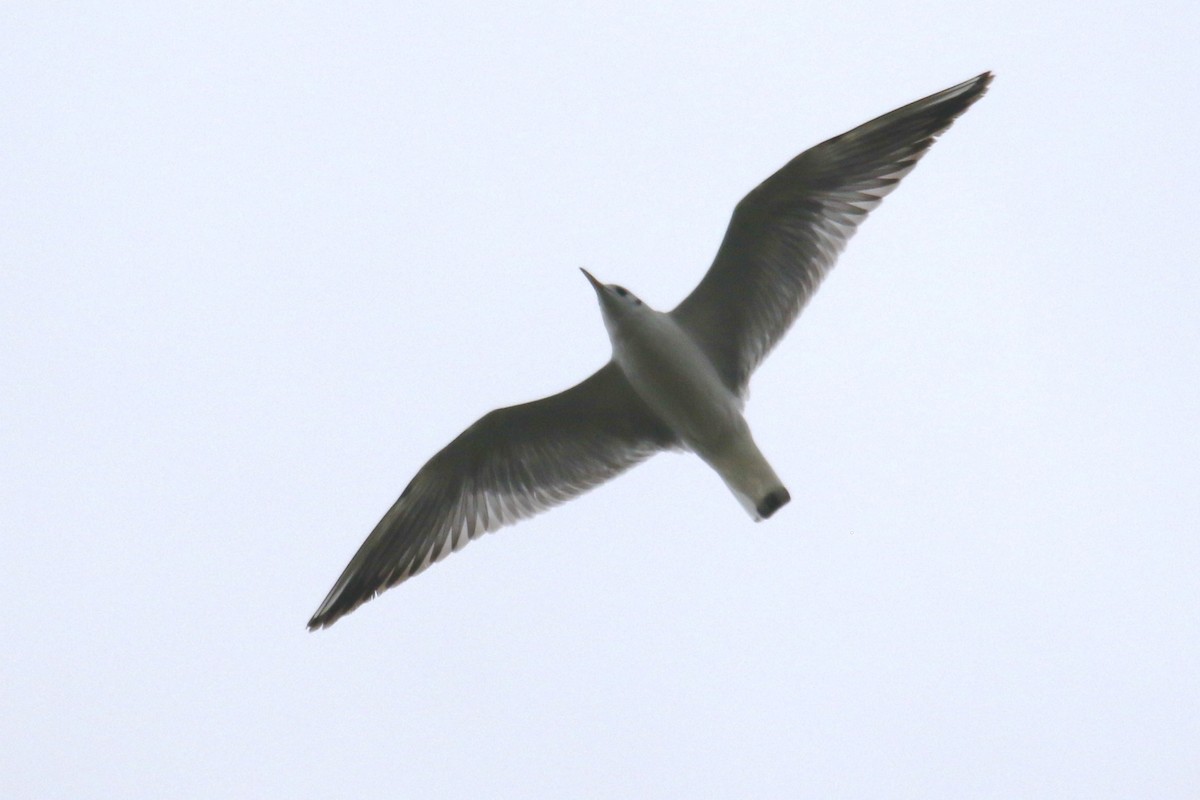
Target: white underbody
(677, 380)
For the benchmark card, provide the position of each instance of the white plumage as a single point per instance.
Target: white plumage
(676, 379)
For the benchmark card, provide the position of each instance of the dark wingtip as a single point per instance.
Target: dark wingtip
(981, 82)
(338, 604)
(977, 87)
(335, 608)
(325, 617)
(773, 502)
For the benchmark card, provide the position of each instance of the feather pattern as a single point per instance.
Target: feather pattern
(515, 462)
(785, 235)
(512, 463)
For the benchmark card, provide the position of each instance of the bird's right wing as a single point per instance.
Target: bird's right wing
(511, 464)
(785, 235)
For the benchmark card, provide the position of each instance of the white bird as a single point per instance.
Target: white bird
(676, 380)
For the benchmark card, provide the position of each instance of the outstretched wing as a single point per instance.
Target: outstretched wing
(786, 234)
(511, 464)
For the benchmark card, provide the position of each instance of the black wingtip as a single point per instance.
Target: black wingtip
(325, 617)
(983, 80)
(336, 605)
(959, 98)
(977, 87)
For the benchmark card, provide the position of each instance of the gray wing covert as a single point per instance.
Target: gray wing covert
(786, 234)
(512, 463)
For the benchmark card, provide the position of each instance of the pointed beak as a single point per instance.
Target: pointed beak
(597, 285)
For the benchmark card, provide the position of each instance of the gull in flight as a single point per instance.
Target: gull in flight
(676, 380)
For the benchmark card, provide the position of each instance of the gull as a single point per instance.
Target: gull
(677, 380)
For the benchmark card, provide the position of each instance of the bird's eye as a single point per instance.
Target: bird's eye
(621, 290)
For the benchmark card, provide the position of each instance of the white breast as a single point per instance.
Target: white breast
(676, 379)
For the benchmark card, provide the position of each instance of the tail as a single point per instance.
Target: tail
(777, 499)
(748, 475)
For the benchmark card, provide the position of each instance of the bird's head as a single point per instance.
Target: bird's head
(616, 302)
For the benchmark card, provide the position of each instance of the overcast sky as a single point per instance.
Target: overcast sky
(257, 264)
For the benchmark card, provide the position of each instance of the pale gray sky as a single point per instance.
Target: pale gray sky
(258, 264)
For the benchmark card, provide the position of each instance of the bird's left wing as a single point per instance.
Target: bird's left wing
(785, 235)
(511, 464)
